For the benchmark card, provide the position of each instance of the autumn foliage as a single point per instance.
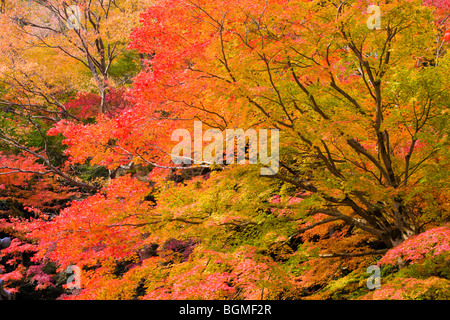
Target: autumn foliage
(86, 171)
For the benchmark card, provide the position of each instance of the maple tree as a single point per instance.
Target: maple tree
(48, 69)
(50, 66)
(362, 115)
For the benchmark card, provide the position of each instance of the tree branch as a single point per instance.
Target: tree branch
(351, 255)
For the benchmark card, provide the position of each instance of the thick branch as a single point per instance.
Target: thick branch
(350, 255)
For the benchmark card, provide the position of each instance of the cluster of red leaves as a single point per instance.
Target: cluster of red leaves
(216, 275)
(36, 193)
(447, 36)
(87, 104)
(15, 260)
(27, 200)
(411, 289)
(37, 274)
(92, 230)
(325, 239)
(190, 286)
(429, 243)
(441, 10)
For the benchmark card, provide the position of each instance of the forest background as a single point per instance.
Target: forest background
(91, 92)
